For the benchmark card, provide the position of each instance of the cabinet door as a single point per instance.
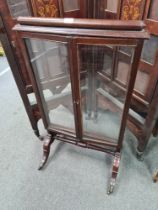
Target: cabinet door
(73, 8)
(102, 100)
(51, 69)
(146, 76)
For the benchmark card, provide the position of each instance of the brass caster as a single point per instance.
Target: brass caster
(111, 187)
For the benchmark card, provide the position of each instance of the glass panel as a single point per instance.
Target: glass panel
(70, 5)
(50, 65)
(112, 5)
(18, 8)
(142, 82)
(124, 56)
(153, 12)
(149, 49)
(126, 50)
(102, 99)
(107, 59)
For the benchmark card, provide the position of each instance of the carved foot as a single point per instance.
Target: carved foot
(46, 150)
(111, 186)
(36, 132)
(115, 169)
(155, 178)
(140, 155)
(41, 138)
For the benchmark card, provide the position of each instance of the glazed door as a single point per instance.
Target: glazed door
(50, 68)
(102, 101)
(147, 75)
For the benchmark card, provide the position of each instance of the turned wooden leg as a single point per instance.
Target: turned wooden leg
(155, 178)
(46, 150)
(115, 169)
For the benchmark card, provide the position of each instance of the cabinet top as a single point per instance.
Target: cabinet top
(83, 27)
(83, 23)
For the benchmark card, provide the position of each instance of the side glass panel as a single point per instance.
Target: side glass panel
(18, 8)
(50, 64)
(142, 82)
(123, 65)
(104, 57)
(149, 49)
(70, 5)
(102, 100)
(153, 12)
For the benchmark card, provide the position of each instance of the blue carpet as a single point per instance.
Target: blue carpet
(75, 178)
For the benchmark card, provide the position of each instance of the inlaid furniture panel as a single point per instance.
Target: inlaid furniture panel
(45, 8)
(59, 8)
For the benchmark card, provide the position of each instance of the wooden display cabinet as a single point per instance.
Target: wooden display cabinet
(66, 71)
(143, 118)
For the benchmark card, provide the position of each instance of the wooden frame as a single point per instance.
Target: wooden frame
(141, 102)
(10, 45)
(144, 95)
(73, 33)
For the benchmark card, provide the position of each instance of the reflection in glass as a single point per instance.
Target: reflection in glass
(153, 12)
(149, 49)
(18, 8)
(70, 5)
(102, 100)
(112, 5)
(142, 82)
(50, 64)
(124, 57)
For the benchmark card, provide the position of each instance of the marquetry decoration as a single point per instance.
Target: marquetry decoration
(45, 8)
(132, 9)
